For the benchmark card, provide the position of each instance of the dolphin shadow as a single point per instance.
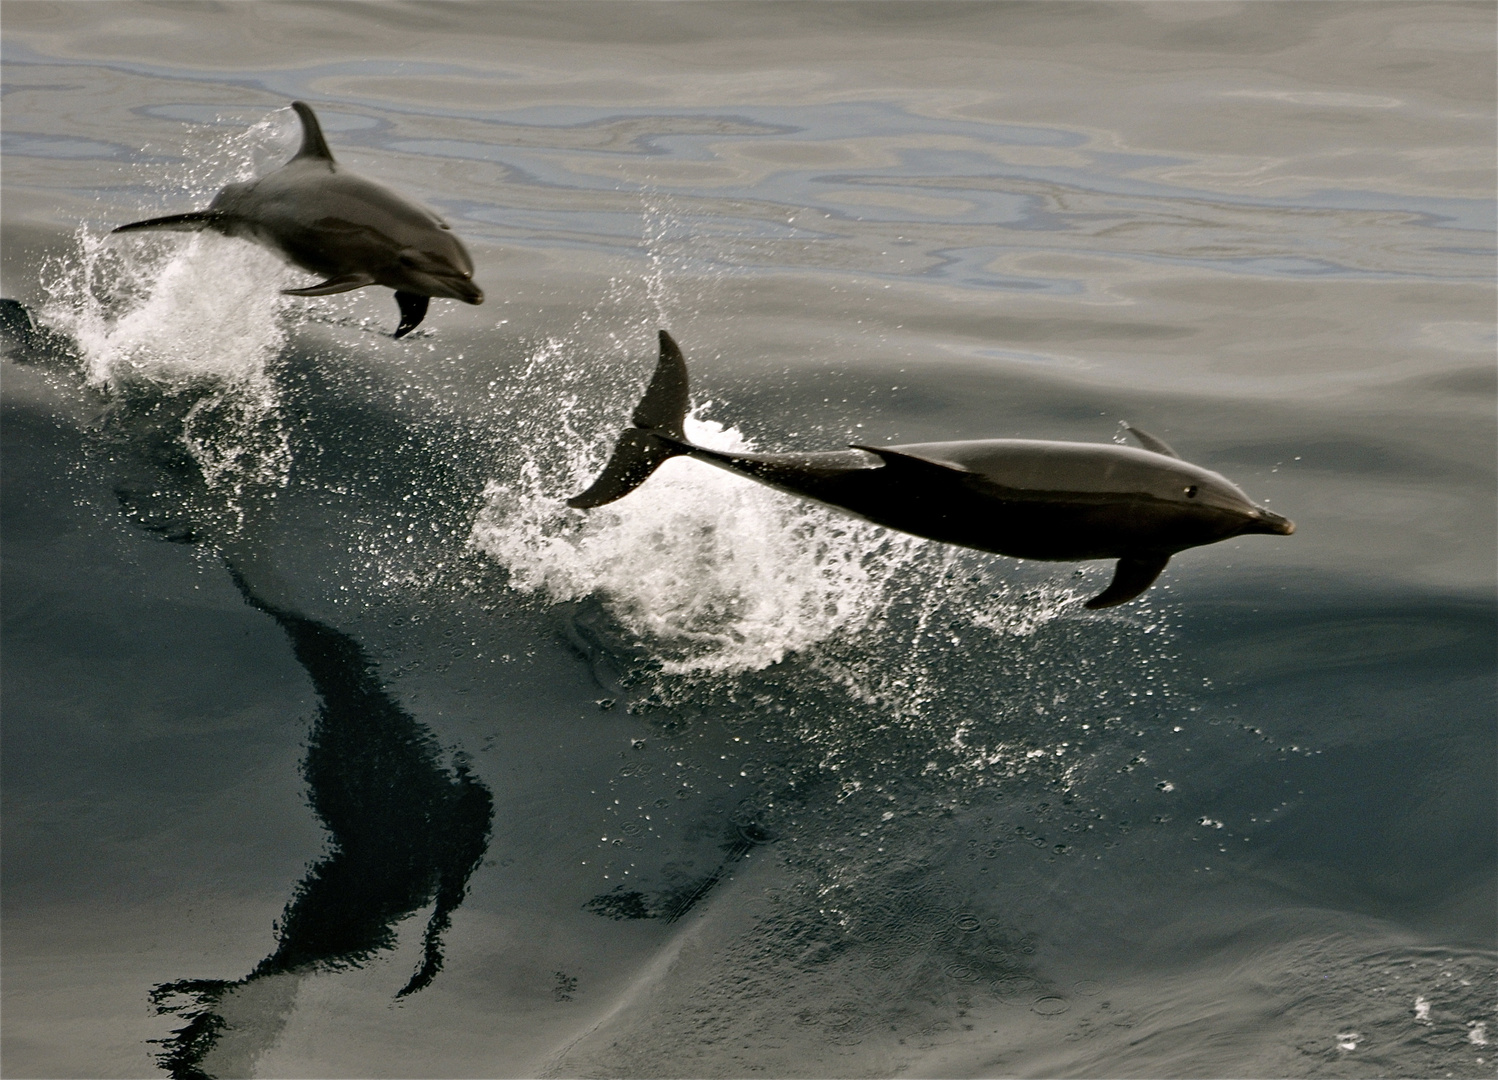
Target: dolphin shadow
(405, 831)
(680, 896)
(407, 823)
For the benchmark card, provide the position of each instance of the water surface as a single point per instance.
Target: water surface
(336, 745)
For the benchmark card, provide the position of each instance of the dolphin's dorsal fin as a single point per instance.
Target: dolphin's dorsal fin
(1149, 442)
(899, 458)
(314, 146)
(1133, 575)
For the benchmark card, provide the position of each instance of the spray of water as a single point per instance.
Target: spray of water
(195, 320)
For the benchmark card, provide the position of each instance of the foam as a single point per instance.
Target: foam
(712, 572)
(195, 318)
(170, 310)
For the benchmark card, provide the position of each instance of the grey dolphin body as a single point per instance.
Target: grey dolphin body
(351, 231)
(1031, 499)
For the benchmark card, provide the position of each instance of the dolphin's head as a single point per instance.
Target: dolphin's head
(436, 264)
(1218, 497)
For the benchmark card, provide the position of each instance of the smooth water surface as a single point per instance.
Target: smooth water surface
(335, 744)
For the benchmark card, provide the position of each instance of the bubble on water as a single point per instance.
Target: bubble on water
(1014, 986)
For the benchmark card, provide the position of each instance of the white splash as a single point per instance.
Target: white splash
(170, 309)
(1422, 1011)
(716, 572)
(1348, 1040)
(196, 314)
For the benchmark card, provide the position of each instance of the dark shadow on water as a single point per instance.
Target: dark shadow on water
(407, 822)
(405, 831)
(678, 898)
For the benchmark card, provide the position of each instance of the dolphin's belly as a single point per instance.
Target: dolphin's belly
(1061, 526)
(1058, 529)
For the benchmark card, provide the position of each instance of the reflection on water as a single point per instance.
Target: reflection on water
(407, 821)
(406, 829)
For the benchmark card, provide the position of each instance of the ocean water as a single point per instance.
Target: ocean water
(336, 745)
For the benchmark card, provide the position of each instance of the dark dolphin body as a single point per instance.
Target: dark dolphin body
(1056, 501)
(350, 230)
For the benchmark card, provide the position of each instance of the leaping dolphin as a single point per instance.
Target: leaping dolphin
(351, 231)
(1028, 498)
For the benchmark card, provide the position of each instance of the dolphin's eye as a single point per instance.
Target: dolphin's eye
(407, 259)
(1191, 492)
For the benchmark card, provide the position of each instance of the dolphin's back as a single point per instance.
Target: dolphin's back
(314, 195)
(332, 222)
(1039, 466)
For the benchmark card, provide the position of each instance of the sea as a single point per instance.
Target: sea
(336, 744)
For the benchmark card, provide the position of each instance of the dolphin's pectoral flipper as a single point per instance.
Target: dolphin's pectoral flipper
(413, 310)
(313, 144)
(1150, 442)
(194, 221)
(657, 434)
(1132, 577)
(342, 283)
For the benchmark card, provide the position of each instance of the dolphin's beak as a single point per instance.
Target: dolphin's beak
(465, 290)
(1267, 521)
(459, 288)
(448, 284)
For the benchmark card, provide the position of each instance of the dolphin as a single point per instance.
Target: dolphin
(1027, 498)
(351, 231)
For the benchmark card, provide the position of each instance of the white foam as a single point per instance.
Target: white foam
(716, 573)
(170, 309)
(174, 308)
(163, 314)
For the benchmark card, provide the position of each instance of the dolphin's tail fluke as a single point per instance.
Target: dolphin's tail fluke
(190, 222)
(657, 433)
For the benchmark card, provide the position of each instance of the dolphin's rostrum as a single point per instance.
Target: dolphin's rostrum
(351, 231)
(1028, 498)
